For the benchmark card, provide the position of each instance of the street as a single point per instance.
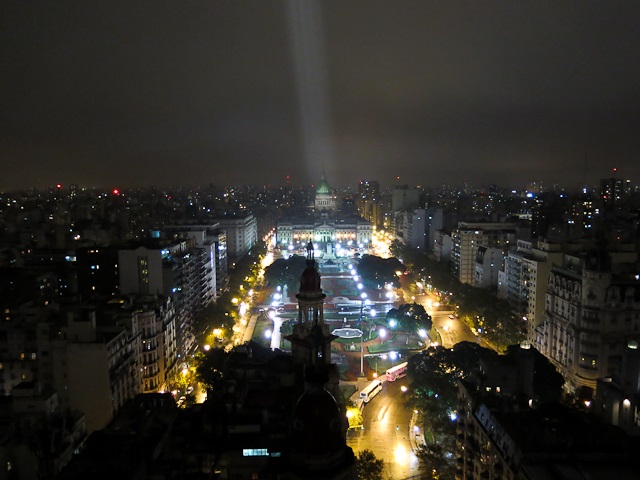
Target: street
(452, 330)
(387, 428)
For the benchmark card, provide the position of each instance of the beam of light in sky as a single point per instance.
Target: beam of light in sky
(307, 46)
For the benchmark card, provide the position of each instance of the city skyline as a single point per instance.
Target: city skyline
(121, 95)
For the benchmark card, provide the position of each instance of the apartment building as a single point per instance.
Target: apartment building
(467, 237)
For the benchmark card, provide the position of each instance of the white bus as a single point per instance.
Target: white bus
(396, 372)
(370, 391)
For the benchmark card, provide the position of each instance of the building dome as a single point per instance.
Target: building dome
(316, 424)
(310, 279)
(323, 187)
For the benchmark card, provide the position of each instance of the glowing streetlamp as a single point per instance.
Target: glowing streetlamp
(382, 333)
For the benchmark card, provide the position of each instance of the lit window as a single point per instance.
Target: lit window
(254, 452)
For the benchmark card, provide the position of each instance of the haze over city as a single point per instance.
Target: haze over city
(168, 93)
(320, 239)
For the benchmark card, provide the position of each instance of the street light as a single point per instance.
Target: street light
(382, 333)
(363, 296)
(362, 354)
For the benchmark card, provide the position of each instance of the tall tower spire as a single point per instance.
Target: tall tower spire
(318, 448)
(311, 340)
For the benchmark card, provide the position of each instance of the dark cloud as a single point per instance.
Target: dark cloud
(196, 92)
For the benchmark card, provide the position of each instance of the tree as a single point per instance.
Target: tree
(209, 367)
(286, 272)
(376, 271)
(368, 466)
(436, 459)
(354, 416)
(434, 387)
(397, 249)
(410, 317)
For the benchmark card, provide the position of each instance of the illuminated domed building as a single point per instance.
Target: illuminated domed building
(326, 225)
(325, 200)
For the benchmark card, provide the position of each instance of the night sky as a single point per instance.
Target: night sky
(128, 93)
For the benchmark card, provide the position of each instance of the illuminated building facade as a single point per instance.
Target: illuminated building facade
(326, 226)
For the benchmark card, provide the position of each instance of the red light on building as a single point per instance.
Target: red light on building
(59, 185)
(116, 191)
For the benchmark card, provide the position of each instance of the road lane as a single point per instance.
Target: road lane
(386, 432)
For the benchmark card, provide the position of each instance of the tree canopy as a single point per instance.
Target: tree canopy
(286, 272)
(209, 366)
(433, 390)
(410, 317)
(368, 466)
(434, 394)
(376, 271)
(477, 307)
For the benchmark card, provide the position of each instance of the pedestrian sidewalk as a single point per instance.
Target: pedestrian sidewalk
(416, 435)
(248, 330)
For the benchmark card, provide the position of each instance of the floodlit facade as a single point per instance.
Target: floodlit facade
(242, 234)
(178, 269)
(325, 200)
(591, 317)
(410, 227)
(526, 273)
(370, 205)
(326, 227)
(466, 239)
